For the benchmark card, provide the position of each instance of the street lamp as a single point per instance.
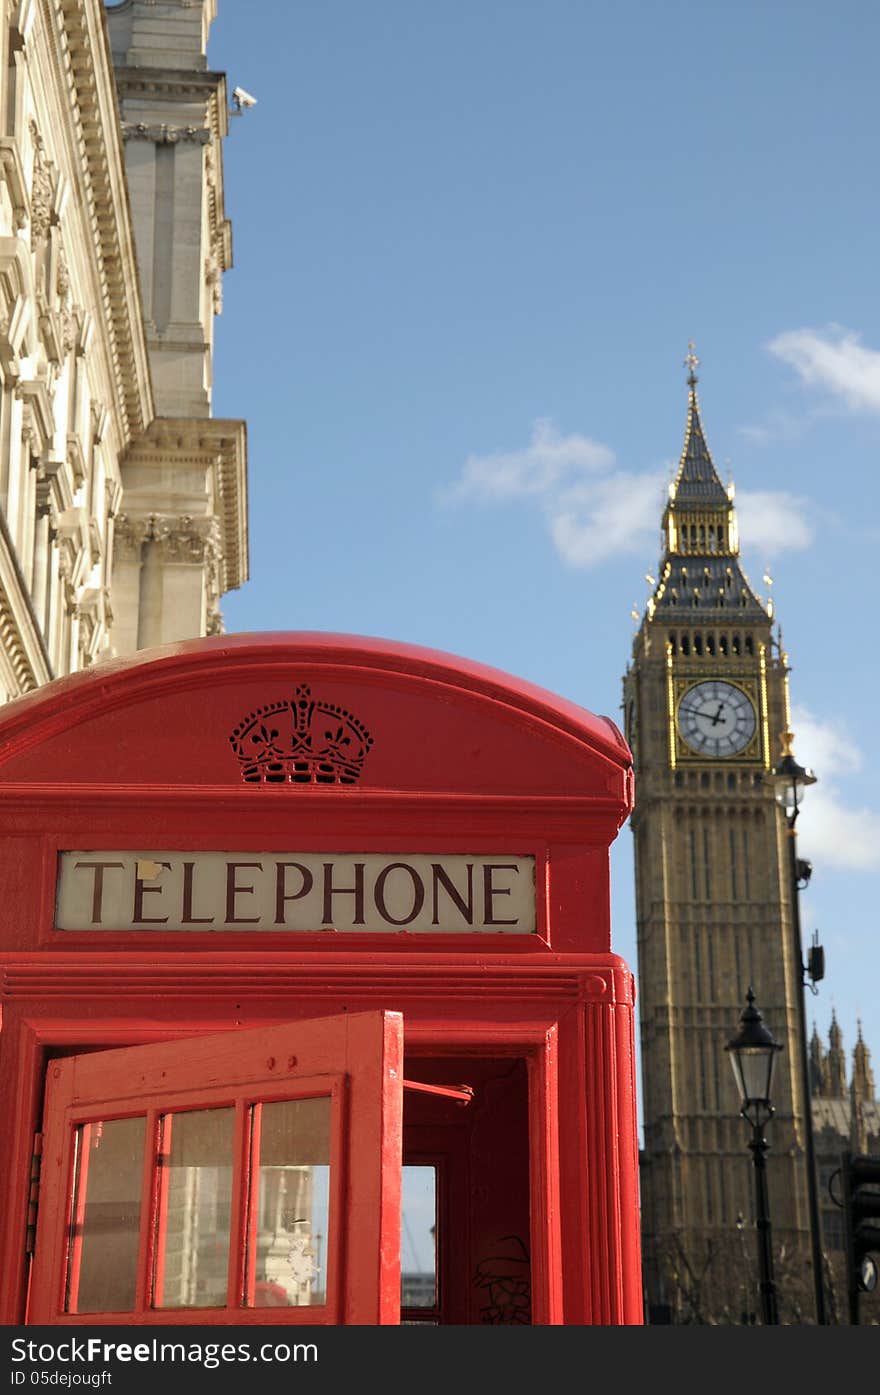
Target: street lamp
(791, 781)
(752, 1055)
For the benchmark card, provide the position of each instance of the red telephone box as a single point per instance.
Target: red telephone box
(306, 954)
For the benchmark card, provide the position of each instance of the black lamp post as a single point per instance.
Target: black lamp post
(791, 781)
(752, 1055)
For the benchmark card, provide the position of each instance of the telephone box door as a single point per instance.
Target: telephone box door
(240, 1177)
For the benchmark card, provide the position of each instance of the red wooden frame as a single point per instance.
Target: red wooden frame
(353, 1060)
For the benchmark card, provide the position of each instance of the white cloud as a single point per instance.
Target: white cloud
(592, 510)
(826, 745)
(831, 830)
(836, 834)
(619, 513)
(781, 425)
(773, 521)
(545, 465)
(833, 359)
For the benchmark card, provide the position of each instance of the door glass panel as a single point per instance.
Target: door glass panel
(195, 1203)
(289, 1250)
(418, 1234)
(105, 1226)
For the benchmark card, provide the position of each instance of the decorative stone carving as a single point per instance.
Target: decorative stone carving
(42, 191)
(62, 273)
(186, 539)
(214, 624)
(94, 615)
(129, 535)
(213, 615)
(214, 278)
(179, 537)
(37, 420)
(164, 134)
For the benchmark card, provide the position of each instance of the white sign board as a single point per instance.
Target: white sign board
(433, 893)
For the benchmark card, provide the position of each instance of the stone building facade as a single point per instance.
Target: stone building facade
(123, 502)
(706, 705)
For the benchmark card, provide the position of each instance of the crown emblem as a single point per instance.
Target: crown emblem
(301, 741)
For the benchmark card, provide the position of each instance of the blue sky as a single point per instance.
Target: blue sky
(472, 240)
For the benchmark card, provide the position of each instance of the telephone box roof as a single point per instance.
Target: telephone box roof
(443, 701)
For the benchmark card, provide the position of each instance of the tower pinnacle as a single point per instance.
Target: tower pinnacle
(692, 363)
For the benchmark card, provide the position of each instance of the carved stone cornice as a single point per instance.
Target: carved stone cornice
(77, 459)
(12, 174)
(94, 615)
(177, 84)
(185, 539)
(58, 333)
(180, 538)
(220, 445)
(55, 486)
(129, 536)
(165, 134)
(38, 424)
(75, 543)
(87, 71)
(16, 294)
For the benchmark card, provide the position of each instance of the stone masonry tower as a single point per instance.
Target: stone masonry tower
(705, 704)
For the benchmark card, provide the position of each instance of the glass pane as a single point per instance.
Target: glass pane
(195, 1199)
(418, 1232)
(102, 1264)
(289, 1251)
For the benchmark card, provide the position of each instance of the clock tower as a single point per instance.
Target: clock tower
(705, 709)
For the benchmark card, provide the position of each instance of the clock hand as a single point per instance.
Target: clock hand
(717, 718)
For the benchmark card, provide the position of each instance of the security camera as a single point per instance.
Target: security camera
(242, 99)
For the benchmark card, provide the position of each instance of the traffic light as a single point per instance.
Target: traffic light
(861, 1204)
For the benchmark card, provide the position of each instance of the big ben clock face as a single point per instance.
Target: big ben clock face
(716, 719)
